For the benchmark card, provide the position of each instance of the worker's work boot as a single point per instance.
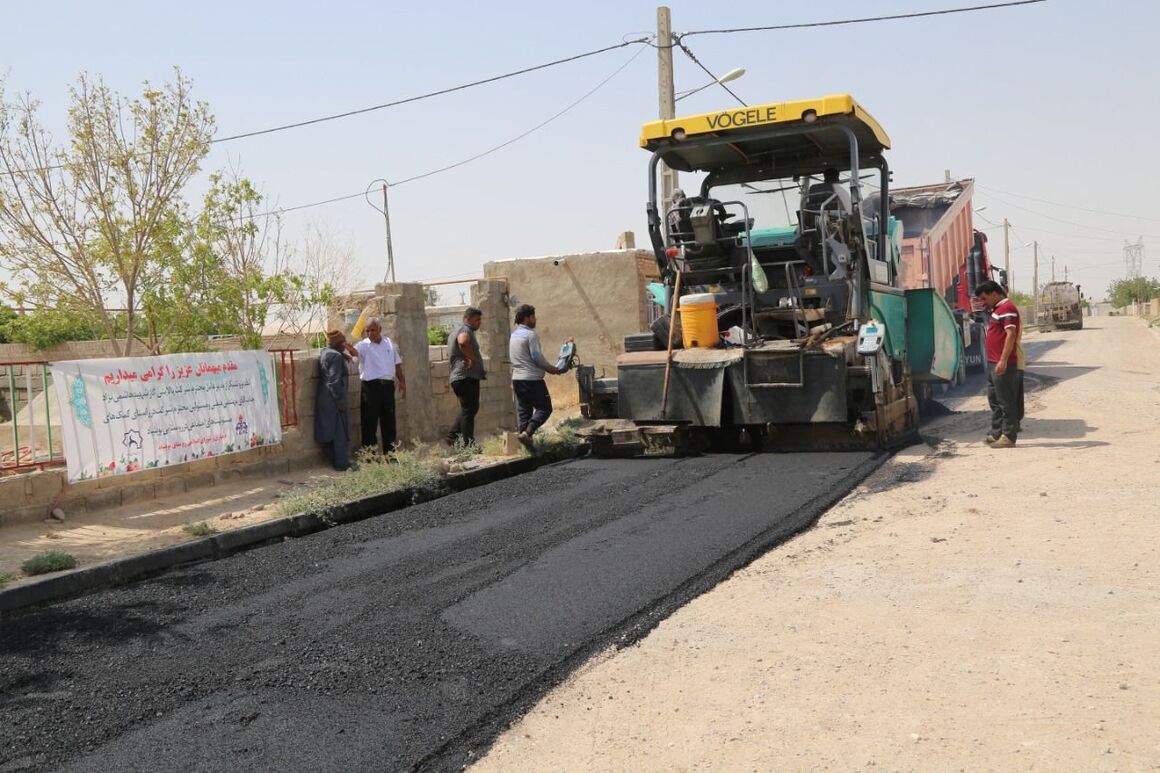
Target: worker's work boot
(1003, 442)
(990, 440)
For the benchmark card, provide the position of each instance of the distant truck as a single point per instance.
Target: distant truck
(941, 250)
(1060, 306)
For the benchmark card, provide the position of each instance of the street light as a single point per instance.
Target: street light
(732, 75)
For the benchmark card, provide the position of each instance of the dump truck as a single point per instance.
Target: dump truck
(941, 250)
(797, 335)
(1060, 306)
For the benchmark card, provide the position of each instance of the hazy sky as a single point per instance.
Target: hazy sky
(1054, 102)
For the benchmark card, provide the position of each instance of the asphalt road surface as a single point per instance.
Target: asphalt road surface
(402, 642)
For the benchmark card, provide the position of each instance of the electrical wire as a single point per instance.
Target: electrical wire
(385, 105)
(865, 20)
(465, 161)
(520, 136)
(1060, 220)
(697, 62)
(1068, 206)
(428, 95)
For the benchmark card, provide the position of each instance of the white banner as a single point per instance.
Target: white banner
(137, 413)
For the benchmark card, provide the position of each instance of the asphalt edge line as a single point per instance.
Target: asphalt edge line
(122, 571)
(473, 743)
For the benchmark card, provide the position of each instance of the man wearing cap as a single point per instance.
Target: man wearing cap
(533, 403)
(380, 368)
(331, 418)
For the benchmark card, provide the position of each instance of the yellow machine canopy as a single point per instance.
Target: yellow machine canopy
(782, 137)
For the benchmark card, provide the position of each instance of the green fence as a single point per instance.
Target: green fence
(29, 421)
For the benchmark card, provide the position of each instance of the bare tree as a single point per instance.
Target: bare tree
(90, 225)
(324, 261)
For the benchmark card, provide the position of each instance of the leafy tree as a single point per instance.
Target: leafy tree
(48, 327)
(231, 269)
(1123, 292)
(431, 296)
(1021, 299)
(95, 224)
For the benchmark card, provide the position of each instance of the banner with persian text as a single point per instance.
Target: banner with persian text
(137, 413)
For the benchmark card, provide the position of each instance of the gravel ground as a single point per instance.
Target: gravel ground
(406, 641)
(964, 609)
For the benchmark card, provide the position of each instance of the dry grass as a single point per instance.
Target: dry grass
(199, 529)
(403, 470)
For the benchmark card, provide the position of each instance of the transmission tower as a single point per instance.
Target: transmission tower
(1134, 258)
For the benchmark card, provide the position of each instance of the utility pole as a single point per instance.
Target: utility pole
(668, 99)
(1052, 268)
(1007, 252)
(1035, 283)
(390, 248)
(1065, 273)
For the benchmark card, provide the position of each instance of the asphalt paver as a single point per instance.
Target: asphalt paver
(406, 641)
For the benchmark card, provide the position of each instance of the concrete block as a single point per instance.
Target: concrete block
(278, 466)
(227, 475)
(439, 388)
(104, 499)
(74, 506)
(29, 514)
(198, 466)
(44, 485)
(167, 487)
(14, 490)
(251, 470)
(511, 444)
(199, 480)
(440, 371)
(138, 492)
(145, 476)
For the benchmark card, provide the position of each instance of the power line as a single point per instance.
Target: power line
(385, 105)
(1120, 232)
(697, 62)
(520, 136)
(1068, 206)
(865, 20)
(465, 161)
(430, 94)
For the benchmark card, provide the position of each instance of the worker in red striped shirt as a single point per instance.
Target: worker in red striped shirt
(1005, 363)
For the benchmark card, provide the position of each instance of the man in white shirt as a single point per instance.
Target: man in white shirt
(380, 368)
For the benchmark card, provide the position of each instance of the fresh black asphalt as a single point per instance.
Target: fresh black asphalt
(406, 641)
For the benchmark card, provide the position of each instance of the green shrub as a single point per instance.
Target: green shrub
(404, 470)
(317, 341)
(52, 561)
(7, 577)
(48, 327)
(561, 437)
(462, 451)
(199, 529)
(437, 336)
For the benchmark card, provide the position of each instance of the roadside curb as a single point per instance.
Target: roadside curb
(121, 571)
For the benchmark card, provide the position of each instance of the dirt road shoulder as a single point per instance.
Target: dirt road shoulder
(966, 606)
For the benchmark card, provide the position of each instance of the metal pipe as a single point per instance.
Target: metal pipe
(47, 409)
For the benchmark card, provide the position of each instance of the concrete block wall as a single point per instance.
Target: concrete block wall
(598, 298)
(426, 414)
(31, 496)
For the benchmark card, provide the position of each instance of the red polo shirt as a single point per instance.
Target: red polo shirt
(1005, 316)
